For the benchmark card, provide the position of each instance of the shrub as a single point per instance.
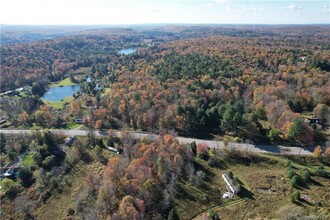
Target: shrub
(172, 215)
(294, 181)
(273, 134)
(305, 174)
(291, 198)
(44, 196)
(290, 173)
(48, 162)
(203, 154)
(237, 140)
(295, 196)
(25, 176)
(320, 171)
(288, 163)
(230, 174)
(193, 147)
(70, 211)
(213, 161)
(9, 187)
(37, 159)
(213, 215)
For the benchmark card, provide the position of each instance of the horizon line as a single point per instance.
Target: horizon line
(154, 24)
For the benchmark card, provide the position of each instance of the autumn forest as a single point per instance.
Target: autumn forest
(253, 84)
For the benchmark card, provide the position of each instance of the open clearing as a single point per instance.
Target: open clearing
(267, 190)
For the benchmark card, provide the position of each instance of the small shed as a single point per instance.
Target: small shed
(230, 185)
(228, 195)
(113, 150)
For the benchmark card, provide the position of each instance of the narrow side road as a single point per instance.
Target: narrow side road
(272, 149)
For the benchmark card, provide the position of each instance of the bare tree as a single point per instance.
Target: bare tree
(190, 170)
(199, 180)
(172, 186)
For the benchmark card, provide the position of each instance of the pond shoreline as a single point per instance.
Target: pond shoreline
(127, 51)
(59, 93)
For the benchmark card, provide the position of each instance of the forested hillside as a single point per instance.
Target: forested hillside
(199, 81)
(266, 85)
(223, 84)
(46, 61)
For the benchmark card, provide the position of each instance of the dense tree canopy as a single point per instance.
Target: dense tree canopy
(199, 84)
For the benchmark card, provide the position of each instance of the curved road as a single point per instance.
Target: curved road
(273, 149)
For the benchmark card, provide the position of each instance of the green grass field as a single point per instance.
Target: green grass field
(192, 200)
(71, 125)
(28, 160)
(64, 82)
(58, 104)
(268, 189)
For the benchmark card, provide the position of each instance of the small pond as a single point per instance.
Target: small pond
(58, 93)
(127, 51)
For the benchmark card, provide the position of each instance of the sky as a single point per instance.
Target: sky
(119, 12)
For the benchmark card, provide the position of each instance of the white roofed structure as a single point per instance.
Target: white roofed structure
(229, 182)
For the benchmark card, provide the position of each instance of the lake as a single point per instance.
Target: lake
(127, 51)
(58, 93)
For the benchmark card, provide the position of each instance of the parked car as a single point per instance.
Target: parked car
(9, 173)
(71, 140)
(103, 132)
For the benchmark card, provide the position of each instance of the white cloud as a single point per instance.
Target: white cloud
(294, 7)
(327, 8)
(155, 10)
(209, 5)
(251, 8)
(221, 1)
(229, 9)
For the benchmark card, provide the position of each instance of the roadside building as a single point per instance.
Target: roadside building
(229, 182)
(231, 187)
(78, 120)
(113, 150)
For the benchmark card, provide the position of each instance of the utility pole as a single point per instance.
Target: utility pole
(90, 128)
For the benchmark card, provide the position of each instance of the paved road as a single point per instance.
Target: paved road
(278, 149)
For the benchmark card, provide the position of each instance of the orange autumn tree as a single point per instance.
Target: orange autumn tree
(317, 153)
(327, 152)
(24, 118)
(98, 124)
(75, 108)
(132, 184)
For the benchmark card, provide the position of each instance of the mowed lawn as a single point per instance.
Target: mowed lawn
(58, 104)
(64, 82)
